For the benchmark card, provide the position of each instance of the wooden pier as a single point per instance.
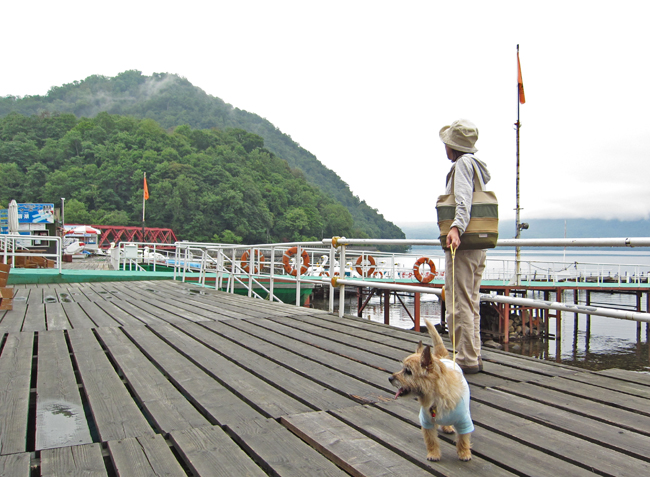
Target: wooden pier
(164, 378)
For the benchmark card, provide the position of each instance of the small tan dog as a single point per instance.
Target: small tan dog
(440, 387)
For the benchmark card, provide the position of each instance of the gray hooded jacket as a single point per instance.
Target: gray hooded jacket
(461, 176)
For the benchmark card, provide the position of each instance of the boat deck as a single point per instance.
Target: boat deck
(164, 378)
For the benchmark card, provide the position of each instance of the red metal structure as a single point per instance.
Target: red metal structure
(117, 233)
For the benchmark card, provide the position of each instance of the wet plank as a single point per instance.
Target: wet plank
(60, 417)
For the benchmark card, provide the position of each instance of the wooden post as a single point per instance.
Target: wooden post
(386, 300)
(416, 312)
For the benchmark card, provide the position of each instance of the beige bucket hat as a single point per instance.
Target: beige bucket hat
(461, 135)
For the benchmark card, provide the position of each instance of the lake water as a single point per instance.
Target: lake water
(593, 343)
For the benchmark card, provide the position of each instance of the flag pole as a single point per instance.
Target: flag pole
(517, 208)
(144, 199)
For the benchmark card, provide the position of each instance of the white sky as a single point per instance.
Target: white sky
(366, 86)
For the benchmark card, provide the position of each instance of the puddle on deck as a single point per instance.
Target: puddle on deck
(60, 423)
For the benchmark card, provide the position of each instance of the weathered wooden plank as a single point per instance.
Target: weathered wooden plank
(405, 438)
(280, 452)
(97, 315)
(337, 361)
(636, 420)
(60, 417)
(35, 296)
(569, 448)
(35, 318)
(209, 451)
(15, 465)
(630, 443)
(320, 374)
(637, 389)
(118, 314)
(15, 377)
(63, 294)
(144, 456)
(362, 356)
(256, 392)
(348, 448)
(83, 460)
(77, 316)
(290, 383)
(208, 302)
(76, 294)
(13, 320)
(55, 317)
(166, 406)
(190, 310)
(116, 414)
(620, 374)
(144, 317)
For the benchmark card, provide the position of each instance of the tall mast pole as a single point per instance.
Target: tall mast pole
(517, 208)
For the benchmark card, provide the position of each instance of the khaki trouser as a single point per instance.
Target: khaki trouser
(465, 326)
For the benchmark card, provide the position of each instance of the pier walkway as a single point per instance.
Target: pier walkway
(164, 378)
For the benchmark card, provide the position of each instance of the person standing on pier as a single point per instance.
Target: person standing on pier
(459, 139)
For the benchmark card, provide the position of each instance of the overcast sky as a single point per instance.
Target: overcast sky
(367, 85)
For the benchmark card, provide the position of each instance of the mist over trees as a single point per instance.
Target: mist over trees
(178, 125)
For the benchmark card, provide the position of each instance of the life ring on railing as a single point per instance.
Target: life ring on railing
(324, 273)
(286, 260)
(359, 267)
(429, 275)
(257, 256)
(377, 275)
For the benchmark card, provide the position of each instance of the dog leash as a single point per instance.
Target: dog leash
(453, 304)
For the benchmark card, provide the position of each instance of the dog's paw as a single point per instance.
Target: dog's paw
(465, 456)
(447, 429)
(433, 456)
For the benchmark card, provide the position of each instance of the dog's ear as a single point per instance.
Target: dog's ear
(425, 359)
(419, 348)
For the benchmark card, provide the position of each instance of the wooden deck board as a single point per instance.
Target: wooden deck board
(60, 418)
(15, 379)
(174, 382)
(209, 451)
(144, 456)
(15, 465)
(116, 414)
(86, 460)
(166, 406)
(188, 369)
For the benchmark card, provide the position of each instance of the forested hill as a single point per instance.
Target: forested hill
(207, 185)
(173, 101)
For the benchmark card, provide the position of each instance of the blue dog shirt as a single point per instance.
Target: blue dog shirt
(459, 417)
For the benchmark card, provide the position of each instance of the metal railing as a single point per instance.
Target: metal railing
(13, 246)
(266, 265)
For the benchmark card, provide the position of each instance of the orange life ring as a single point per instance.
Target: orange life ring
(244, 260)
(286, 260)
(324, 273)
(429, 275)
(377, 275)
(371, 270)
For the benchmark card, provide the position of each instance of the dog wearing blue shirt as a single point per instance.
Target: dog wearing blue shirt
(442, 391)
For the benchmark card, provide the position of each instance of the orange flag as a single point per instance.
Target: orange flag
(522, 97)
(146, 189)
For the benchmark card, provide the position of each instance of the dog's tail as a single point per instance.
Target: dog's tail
(438, 350)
